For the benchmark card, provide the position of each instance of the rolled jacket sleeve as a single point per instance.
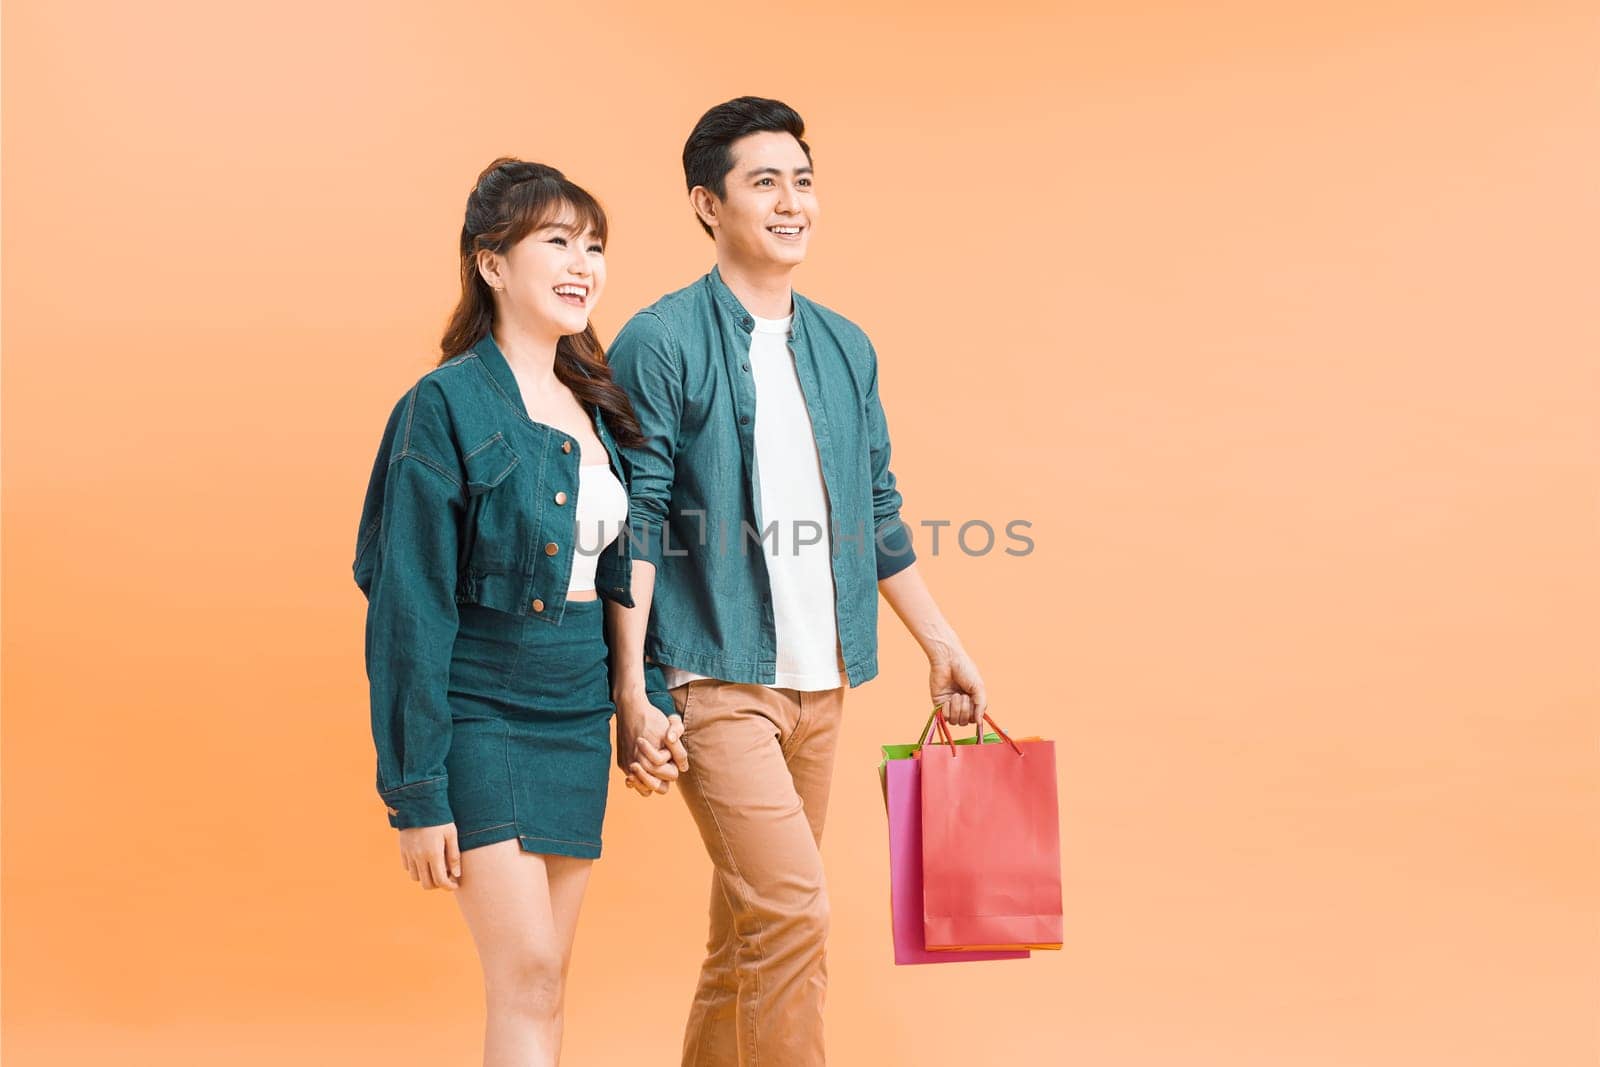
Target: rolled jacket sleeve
(644, 365)
(406, 564)
(656, 691)
(890, 537)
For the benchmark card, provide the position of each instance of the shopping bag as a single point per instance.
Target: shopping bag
(991, 853)
(902, 783)
(899, 752)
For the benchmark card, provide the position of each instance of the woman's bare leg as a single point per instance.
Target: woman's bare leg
(522, 909)
(569, 878)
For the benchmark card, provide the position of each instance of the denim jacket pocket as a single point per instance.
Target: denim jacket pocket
(501, 591)
(489, 463)
(496, 522)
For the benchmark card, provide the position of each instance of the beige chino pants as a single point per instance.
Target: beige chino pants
(760, 764)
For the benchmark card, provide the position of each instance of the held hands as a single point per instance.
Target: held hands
(953, 681)
(649, 746)
(430, 855)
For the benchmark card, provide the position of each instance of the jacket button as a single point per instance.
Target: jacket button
(561, 498)
(744, 366)
(551, 549)
(744, 420)
(538, 605)
(566, 446)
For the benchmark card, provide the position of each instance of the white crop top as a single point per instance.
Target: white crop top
(601, 511)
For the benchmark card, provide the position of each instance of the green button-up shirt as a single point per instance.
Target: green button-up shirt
(694, 493)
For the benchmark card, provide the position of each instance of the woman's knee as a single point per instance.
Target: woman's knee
(530, 981)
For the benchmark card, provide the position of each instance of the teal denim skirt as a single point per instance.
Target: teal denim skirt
(530, 744)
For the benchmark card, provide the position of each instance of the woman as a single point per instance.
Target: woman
(489, 532)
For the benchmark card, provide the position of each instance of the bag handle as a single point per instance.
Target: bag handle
(999, 731)
(944, 729)
(937, 724)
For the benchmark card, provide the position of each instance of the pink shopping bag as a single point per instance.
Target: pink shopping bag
(904, 788)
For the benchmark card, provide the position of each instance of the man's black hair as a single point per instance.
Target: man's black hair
(708, 153)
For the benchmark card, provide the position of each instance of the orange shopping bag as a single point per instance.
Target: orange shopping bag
(991, 851)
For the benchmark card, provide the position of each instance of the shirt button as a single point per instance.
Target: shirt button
(538, 605)
(551, 549)
(561, 498)
(566, 446)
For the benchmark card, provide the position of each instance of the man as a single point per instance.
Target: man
(766, 520)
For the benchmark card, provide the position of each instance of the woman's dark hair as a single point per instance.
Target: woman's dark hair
(708, 153)
(511, 199)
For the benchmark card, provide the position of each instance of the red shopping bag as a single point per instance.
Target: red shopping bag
(902, 778)
(991, 852)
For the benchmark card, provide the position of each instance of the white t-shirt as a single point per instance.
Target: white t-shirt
(799, 557)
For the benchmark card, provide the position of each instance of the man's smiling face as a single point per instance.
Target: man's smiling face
(770, 205)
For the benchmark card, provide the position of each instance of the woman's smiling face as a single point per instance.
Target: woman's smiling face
(553, 276)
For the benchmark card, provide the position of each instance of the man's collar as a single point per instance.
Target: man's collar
(741, 315)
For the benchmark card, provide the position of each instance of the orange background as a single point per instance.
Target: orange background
(1276, 321)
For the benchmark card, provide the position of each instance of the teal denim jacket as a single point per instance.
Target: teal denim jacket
(470, 502)
(695, 495)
